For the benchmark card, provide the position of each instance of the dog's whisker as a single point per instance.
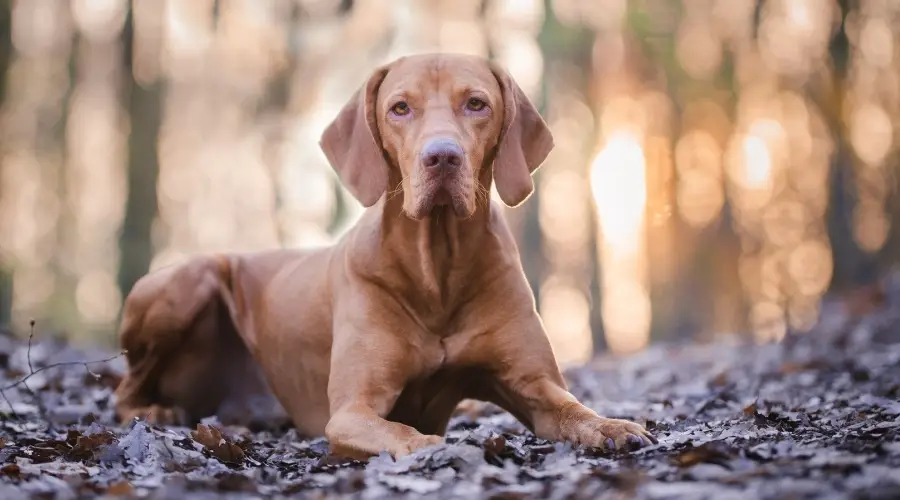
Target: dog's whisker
(391, 194)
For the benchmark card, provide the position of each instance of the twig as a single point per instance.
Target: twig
(30, 338)
(37, 399)
(86, 365)
(9, 403)
(32, 372)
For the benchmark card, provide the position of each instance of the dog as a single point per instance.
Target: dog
(375, 340)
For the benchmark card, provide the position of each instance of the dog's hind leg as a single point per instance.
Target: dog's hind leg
(181, 345)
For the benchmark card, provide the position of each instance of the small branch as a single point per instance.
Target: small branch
(30, 338)
(32, 372)
(9, 403)
(86, 365)
(37, 399)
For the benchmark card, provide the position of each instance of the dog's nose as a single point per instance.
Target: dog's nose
(443, 153)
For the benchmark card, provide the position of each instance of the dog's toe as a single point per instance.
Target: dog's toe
(621, 434)
(416, 443)
(157, 415)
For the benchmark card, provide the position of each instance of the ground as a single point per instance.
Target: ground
(816, 415)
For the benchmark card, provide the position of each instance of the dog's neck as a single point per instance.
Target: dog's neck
(439, 251)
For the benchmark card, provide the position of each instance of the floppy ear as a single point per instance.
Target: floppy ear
(525, 142)
(352, 144)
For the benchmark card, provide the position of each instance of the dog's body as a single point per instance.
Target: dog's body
(374, 341)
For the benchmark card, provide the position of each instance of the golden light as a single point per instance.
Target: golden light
(803, 313)
(463, 37)
(619, 186)
(870, 225)
(97, 297)
(871, 133)
(522, 57)
(563, 189)
(751, 163)
(101, 20)
(799, 15)
(565, 312)
(794, 34)
(244, 89)
(626, 316)
(188, 28)
(698, 161)
(810, 266)
(566, 223)
(757, 171)
(698, 48)
(767, 320)
(784, 222)
(876, 42)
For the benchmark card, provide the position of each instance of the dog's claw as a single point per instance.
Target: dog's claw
(634, 441)
(615, 434)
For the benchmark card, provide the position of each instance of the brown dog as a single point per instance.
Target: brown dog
(375, 341)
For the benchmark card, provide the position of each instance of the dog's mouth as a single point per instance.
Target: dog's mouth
(446, 192)
(442, 197)
(447, 196)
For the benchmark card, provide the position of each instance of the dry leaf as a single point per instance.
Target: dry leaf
(221, 448)
(11, 470)
(707, 453)
(750, 409)
(495, 445)
(122, 488)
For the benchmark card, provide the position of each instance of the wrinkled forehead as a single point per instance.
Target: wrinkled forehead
(449, 75)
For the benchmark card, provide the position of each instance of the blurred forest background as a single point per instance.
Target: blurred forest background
(720, 164)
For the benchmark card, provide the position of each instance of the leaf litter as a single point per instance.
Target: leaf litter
(816, 415)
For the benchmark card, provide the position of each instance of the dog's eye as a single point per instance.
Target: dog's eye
(400, 109)
(475, 104)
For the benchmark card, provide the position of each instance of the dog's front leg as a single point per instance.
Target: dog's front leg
(369, 370)
(528, 376)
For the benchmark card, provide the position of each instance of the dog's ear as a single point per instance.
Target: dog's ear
(525, 142)
(352, 144)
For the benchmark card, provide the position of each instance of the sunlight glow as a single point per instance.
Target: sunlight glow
(757, 163)
(619, 186)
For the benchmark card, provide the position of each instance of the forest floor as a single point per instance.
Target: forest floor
(816, 415)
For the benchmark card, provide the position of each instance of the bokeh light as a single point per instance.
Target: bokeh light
(720, 165)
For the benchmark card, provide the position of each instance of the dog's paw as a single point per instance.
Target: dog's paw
(415, 443)
(613, 434)
(156, 415)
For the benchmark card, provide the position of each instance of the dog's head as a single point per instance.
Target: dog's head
(438, 121)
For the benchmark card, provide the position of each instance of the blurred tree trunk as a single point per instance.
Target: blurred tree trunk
(889, 257)
(61, 309)
(6, 50)
(143, 102)
(852, 266)
(275, 106)
(562, 46)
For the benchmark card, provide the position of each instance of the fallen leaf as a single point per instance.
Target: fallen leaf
(706, 453)
(494, 446)
(211, 439)
(11, 470)
(750, 410)
(122, 488)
